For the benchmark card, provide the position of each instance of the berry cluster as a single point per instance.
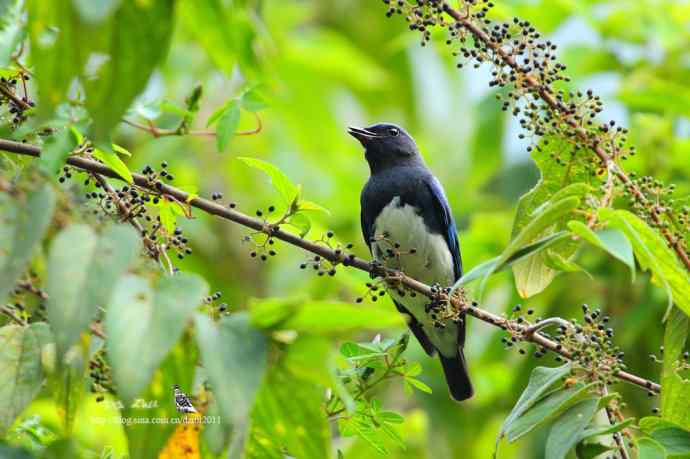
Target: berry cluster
(216, 310)
(17, 105)
(321, 265)
(101, 378)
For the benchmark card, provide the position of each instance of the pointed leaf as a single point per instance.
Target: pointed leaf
(567, 429)
(113, 161)
(82, 272)
(227, 125)
(650, 449)
(280, 181)
(613, 241)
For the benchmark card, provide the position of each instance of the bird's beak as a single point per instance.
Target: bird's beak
(361, 134)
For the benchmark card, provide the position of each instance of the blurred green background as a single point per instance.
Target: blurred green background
(328, 64)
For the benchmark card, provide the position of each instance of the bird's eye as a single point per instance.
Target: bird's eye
(394, 132)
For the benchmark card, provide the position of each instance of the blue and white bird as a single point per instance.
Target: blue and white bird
(408, 225)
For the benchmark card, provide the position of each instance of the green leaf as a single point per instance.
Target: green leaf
(322, 317)
(562, 179)
(653, 254)
(591, 450)
(236, 373)
(312, 206)
(675, 397)
(287, 416)
(606, 429)
(300, 222)
(11, 29)
(166, 213)
(114, 63)
(546, 409)
(132, 43)
(650, 449)
(22, 225)
(145, 322)
(56, 150)
(253, 100)
(227, 125)
(20, 370)
(676, 441)
(210, 23)
(113, 161)
(540, 381)
(418, 384)
(280, 181)
(121, 150)
(613, 241)
(566, 430)
(82, 272)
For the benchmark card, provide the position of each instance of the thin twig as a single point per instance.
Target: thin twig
(162, 132)
(617, 437)
(24, 105)
(10, 313)
(327, 253)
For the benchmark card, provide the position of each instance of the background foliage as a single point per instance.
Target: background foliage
(308, 69)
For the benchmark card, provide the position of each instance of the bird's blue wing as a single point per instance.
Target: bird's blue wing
(450, 233)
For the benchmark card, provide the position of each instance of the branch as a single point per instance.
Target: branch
(335, 257)
(161, 132)
(543, 91)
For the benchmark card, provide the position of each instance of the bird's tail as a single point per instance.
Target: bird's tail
(457, 378)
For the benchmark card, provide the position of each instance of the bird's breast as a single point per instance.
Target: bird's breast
(403, 241)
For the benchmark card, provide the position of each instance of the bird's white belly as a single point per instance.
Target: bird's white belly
(431, 262)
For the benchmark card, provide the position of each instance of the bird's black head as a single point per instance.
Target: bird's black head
(386, 145)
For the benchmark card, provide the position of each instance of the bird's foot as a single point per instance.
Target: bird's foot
(376, 269)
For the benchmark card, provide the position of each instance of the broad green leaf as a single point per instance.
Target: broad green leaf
(651, 423)
(653, 254)
(143, 323)
(613, 241)
(650, 449)
(12, 30)
(540, 381)
(82, 272)
(546, 409)
(675, 396)
(227, 125)
(56, 150)
(22, 225)
(280, 181)
(20, 370)
(113, 161)
(555, 260)
(322, 316)
(288, 416)
(566, 430)
(236, 373)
